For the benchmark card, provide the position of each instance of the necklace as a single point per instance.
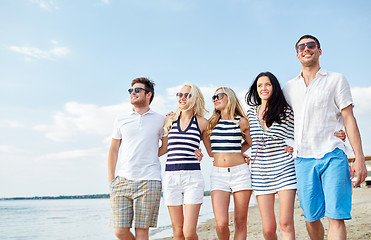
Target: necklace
(261, 120)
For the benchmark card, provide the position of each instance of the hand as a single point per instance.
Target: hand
(340, 134)
(199, 154)
(358, 167)
(247, 158)
(289, 149)
(168, 116)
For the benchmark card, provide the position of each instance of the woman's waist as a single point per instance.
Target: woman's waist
(228, 159)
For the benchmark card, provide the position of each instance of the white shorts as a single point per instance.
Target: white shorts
(183, 187)
(231, 179)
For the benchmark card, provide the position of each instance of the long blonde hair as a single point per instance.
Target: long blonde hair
(196, 101)
(234, 109)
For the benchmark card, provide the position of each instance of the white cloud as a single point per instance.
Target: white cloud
(12, 149)
(362, 100)
(92, 152)
(80, 118)
(10, 124)
(35, 52)
(105, 1)
(46, 4)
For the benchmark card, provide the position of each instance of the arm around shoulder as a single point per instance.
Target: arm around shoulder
(203, 123)
(163, 149)
(245, 130)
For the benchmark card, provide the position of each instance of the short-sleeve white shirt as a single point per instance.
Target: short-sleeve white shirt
(317, 112)
(140, 135)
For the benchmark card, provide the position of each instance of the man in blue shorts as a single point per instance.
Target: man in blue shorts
(135, 189)
(322, 105)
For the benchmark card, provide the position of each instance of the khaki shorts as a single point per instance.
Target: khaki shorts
(137, 201)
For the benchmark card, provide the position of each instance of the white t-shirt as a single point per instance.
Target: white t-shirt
(140, 136)
(317, 112)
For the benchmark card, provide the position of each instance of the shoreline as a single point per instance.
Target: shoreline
(357, 228)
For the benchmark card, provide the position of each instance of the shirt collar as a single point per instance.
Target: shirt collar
(321, 72)
(135, 113)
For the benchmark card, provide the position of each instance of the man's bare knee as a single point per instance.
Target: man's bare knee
(123, 233)
(141, 233)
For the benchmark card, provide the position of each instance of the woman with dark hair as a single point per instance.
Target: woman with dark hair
(272, 167)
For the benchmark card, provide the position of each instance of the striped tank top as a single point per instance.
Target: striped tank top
(182, 145)
(226, 136)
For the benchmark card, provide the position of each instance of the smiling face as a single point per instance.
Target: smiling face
(264, 88)
(221, 103)
(184, 101)
(141, 98)
(308, 57)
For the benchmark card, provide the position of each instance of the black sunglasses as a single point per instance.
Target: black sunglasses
(310, 45)
(136, 90)
(218, 96)
(186, 95)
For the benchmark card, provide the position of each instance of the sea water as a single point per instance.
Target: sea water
(73, 219)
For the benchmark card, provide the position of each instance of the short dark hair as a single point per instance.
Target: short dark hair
(277, 104)
(149, 85)
(307, 36)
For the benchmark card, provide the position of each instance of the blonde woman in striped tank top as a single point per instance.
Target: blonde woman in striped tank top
(230, 137)
(183, 183)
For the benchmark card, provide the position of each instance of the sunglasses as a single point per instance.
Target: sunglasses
(136, 90)
(310, 45)
(218, 96)
(186, 95)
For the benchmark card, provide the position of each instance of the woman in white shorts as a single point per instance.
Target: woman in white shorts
(183, 183)
(228, 127)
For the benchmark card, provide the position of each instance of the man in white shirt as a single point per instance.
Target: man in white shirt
(135, 192)
(322, 105)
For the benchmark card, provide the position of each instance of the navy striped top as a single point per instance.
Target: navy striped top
(182, 145)
(272, 168)
(226, 136)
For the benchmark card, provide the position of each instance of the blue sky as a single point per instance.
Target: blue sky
(65, 67)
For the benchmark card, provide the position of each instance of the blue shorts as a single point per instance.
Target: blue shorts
(324, 186)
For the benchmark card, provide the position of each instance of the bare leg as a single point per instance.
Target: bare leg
(177, 220)
(315, 230)
(241, 205)
(266, 208)
(220, 201)
(190, 221)
(286, 218)
(336, 229)
(123, 233)
(141, 233)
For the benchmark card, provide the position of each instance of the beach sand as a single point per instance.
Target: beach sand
(358, 228)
